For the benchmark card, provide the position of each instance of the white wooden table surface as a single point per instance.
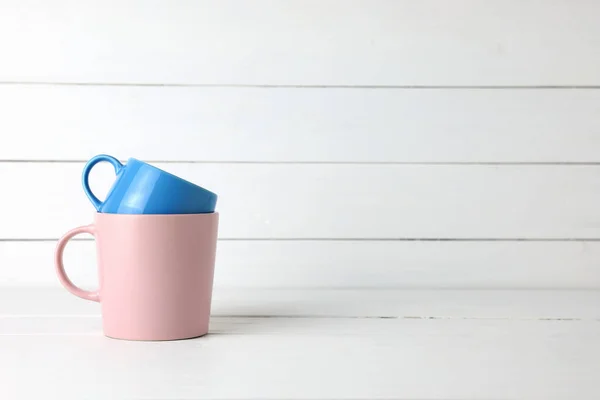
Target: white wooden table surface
(314, 344)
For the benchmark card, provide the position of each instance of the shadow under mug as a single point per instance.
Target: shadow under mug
(155, 271)
(141, 188)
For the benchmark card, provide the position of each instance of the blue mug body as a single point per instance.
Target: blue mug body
(141, 188)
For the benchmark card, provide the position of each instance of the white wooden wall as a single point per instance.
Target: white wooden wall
(413, 144)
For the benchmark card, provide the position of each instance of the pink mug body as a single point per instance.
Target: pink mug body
(155, 273)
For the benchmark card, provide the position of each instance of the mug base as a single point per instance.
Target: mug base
(154, 338)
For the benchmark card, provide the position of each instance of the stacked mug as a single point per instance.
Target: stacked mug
(155, 239)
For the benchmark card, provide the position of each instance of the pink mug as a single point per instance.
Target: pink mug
(155, 273)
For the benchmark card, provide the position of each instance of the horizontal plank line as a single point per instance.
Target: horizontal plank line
(332, 316)
(346, 239)
(320, 398)
(292, 86)
(442, 163)
(409, 317)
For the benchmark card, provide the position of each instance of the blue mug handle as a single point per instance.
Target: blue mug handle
(86, 174)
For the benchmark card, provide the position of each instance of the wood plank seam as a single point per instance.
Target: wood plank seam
(332, 316)
(292, 86)
(357, 239)
(407, 163)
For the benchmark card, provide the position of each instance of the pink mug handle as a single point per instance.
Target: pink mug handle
(60, 268)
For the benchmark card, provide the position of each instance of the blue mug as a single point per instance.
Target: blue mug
(141, 188)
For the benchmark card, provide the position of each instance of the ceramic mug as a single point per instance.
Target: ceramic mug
(141, 188)
(155, 273)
